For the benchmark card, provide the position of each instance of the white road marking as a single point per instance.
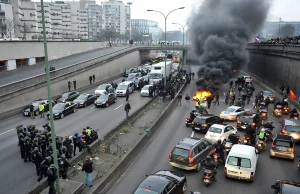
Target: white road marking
(118, 107)
(92, 107)
(6, 131)
(193, 134)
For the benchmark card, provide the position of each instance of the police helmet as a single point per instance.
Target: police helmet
(36, 149)
(76, 134)
(219, 141)
(52, 166)
(263, 130)
(208, 158)
(63, 156)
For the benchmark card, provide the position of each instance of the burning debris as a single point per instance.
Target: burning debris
(202, 95)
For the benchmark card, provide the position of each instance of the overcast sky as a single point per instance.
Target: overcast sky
(286, 9)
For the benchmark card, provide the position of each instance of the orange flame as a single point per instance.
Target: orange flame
(292, 95)
(202, 94)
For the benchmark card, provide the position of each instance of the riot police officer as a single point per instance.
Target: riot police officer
(63, 166)
(37, 159)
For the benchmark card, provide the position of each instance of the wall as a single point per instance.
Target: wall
(102, 71)
(18, 50)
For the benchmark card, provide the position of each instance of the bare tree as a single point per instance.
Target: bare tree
(3, 29)
(24, 30)
(9, 28)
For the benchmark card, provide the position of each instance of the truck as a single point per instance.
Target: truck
(157, 72)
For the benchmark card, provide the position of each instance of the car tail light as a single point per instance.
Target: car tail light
(252, 174)
(283, 131)
(239, 122)
(225, 170)
(170, 154)
(273, 146)
(253, 124)
(191, 159)
(291, 149)
(193, 123)
(204, 125)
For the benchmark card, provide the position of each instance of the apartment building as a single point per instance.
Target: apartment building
(148, 28)
(95, 21)
(6, 20)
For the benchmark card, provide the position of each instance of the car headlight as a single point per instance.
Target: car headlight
(56, 114)
(81, 102)
(103, 102)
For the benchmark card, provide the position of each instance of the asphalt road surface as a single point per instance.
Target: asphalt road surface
(19, 177)
(9, 77)
(155, 157)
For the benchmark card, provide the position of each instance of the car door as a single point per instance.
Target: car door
(240, 111)
(66, 109)
(71, 96)
(205, 150)
(217, 120)
(228, 130)
(110, 98)
(210, 121)
(171, 187)
(91, 99)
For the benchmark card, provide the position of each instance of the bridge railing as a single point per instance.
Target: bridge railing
(275, 47)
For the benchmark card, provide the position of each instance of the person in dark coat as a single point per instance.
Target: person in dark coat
(94, 78)
(91, 79)
(69, 86)
(127, 109)
(52, 176)
(127, 95)
(74, 84)
(32, 111)
(87, 167)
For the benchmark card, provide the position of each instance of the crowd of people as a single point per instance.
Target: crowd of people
(35, 146)
(281, 40)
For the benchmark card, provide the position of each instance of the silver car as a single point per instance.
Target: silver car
(270, 95)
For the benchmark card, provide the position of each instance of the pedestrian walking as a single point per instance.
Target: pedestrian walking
(127, 95)
(32, 111)
(42, 109)
(179, 97)
(217, 98)
(187, 100)
(87, 167)
(69, 85)
(94, 78)
(91, 79)
(74, 84)
(127, 109)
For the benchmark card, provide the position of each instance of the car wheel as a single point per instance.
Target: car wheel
(62, 116)
(74, 110)
(198, 168)
(184, 187)
(106, 104)
(115, 101)
(84, 105)
(37, 113)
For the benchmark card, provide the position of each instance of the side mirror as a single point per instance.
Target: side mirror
(256, 151)
(147, 175)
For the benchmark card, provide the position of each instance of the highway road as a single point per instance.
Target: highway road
(9, 77)
(19, 177)
(155, 157)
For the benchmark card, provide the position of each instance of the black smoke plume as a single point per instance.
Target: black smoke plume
(219, 34)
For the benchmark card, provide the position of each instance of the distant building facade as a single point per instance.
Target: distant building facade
(147, 27)
(271, 29)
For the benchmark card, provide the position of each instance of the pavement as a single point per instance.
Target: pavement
(19, 177)
(23, 73)
(155, 157)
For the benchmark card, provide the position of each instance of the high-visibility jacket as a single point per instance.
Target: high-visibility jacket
(197, 104)
(88, 132)
(41, 107)
(261, 135)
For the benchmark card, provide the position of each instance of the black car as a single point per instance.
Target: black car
(67, 96)
(83, 100)
(286, 187)
(60, 110)
(105, 100)
(161, 182)
(190, 153)
(26, 110)
(248, 119)
(203, 122)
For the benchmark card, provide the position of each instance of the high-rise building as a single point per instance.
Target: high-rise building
(95, 21)
(6, 20)
(272, 29)
(116, 16)
(146, 28)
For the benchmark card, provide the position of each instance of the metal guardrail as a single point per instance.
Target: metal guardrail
(275, 47)
(27, 82)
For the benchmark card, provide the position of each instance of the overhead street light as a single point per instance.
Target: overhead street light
(166, 17)
(183, 26)
(129, 3)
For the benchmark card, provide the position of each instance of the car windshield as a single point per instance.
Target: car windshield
(145, 87)
(127, 71)
(215, 130)
(131, 76)
(237, 161)
(246, 119)
(58, 106)
(144, 191)
(65, 95)
(122, 87)
(181, 152)
(291, 128)
(155, 76)
(82, 97)
(102, 87)
(283, 143)
(103, 97)
(230, 109)
(267, 93)
(199, 120)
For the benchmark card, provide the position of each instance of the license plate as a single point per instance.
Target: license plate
(281, 148)
(197, 128)
(206, 180)
(244, 127)
(26, 113)
(181, 159)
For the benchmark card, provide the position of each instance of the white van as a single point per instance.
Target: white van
(122, 87)
(241, 162)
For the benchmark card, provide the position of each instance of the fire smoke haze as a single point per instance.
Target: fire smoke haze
(219, 34)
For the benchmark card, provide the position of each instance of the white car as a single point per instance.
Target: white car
(231, 113)
(102, 89)
(248, 79)
(218, 131)
(145, 90)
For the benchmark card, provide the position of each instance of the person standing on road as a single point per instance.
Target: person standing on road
(37, 158)
(179, 97)
(127, 109)
(187, 100)
(91, 79)
(74, 84)
(76, 143)
(52, 176)
(127, 95)
(41, 110)
(87, 167)
(32, 111)
(69, 85)
(94, 77)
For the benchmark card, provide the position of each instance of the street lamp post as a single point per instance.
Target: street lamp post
(53, 136)
(129, 3)
(166, 17)
(279, 31)
(183, 27)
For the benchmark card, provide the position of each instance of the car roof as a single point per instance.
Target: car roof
(291, 122)
(235, 107)
(283, 137)
(125, 83)
(248, 115)
(267, 91)
(220, 126)
(241, 150)
(205, 116)
(188, 142)
(290, 187)
(155, 182)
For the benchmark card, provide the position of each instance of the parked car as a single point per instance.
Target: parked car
(283, 147)
(220, 131)
(67, 96)
(102, 89)
(291, 127)
(36, 103)
(286, 187)
(232, 112)
(106, 100)
(83, 100)
(60, 110)
(190, 153)
(203, 122)
(163, 181)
